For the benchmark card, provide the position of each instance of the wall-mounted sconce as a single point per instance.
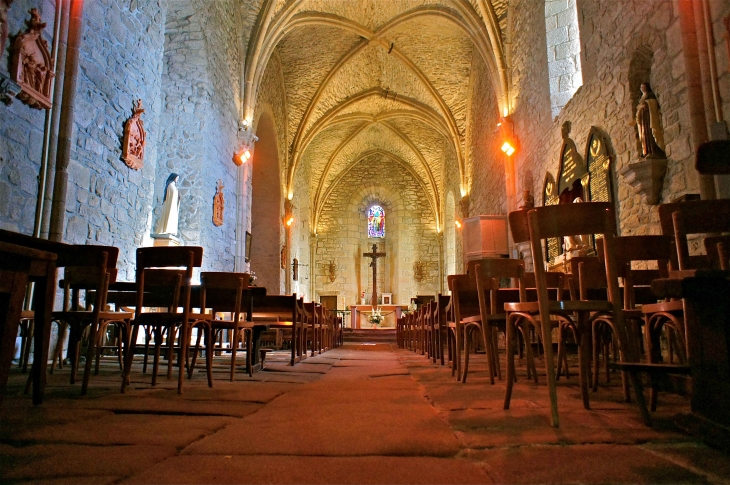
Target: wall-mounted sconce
(288, 213)
(509, 140)
(457, 223)
(241, 156)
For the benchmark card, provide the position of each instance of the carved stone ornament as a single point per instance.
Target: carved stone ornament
(134, 138)
(646, 177)
(4, 6)
(31, 65)
(218, 204)
(332, 271)
(418, 271)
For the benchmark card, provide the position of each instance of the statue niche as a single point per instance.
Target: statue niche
(31, 65)
(135, 138)
(218, 204)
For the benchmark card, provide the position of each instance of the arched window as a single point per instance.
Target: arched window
(376, 221)
(563, 52)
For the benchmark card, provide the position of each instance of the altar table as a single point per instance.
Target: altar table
(390, 313)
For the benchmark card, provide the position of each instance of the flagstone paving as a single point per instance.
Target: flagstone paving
(356, 414)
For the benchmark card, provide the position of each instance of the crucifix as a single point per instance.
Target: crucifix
(374, 264)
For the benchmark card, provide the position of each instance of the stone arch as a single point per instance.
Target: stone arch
(266, 213)
(450, 235)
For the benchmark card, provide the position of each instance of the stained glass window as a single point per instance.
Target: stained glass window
(376, 221)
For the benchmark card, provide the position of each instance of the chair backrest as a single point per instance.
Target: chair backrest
(223, 292)
(647, 248)
(518, 226)
(488, 272)
(713, 157)
(464, 295)
(718, 251)
(574, 220)
(281, 308)
(680, 219)
(155, 278)
(587, 273)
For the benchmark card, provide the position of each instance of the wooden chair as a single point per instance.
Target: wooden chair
(682, 219)
(224, 293)
(488, 273)
(642, 307)
(91, 269)
(466, 316)
(440, 326)
(718, 252)
(164, 274)
(557, 222)
(16, 268)
(282, 312)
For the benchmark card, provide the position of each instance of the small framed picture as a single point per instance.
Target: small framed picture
(247, 249)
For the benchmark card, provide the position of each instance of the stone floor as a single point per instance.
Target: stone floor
(363, 413)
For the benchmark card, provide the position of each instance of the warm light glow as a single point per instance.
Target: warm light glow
(463, 191)
(506, 112)
(290, 221)
(457, 224)
(508, 148)
(290, 195)
(246, 154)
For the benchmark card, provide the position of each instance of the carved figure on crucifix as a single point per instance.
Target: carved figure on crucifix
(374, 264)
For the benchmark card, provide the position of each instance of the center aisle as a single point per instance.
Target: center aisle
(366, 420)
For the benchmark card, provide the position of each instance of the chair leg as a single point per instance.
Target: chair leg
(508, 342)
(583, 364)
(171, 331)
(467, 346)
(248, 334)
(209, 345)
(147, 338)
(234, 345)
(595, 341)
(129, 358)
(191, 367)
(156, 358)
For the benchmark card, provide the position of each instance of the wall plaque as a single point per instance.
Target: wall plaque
(550, 197)
(572, 168)
(135, 138)
(218, 204)
(31, 65)
(599, 162)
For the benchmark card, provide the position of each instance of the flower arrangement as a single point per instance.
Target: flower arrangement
(251, 278)
(376, 317)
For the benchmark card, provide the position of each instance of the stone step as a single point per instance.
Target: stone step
(369, 335)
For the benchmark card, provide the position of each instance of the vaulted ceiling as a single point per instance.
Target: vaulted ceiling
(388, 76)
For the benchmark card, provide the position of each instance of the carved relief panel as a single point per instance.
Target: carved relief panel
(31, 65)
(218, 204)
(134, 138)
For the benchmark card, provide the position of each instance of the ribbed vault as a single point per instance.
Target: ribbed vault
(389, 78)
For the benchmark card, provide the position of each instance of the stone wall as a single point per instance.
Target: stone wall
(410, 234)
(21, 134)
(485, 161)
(121, 61)
(201, 85)
(607, 99)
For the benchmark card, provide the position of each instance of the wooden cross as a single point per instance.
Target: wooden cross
(374, 264)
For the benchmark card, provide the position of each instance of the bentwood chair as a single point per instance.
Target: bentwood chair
(164, 280)
(492, 318)
(466, 316)
(91, 269)
(574, 220)
(224, 293)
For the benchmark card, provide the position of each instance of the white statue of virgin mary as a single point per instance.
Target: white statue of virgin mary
(170, 208)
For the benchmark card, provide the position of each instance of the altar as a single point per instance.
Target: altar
(361, 313)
